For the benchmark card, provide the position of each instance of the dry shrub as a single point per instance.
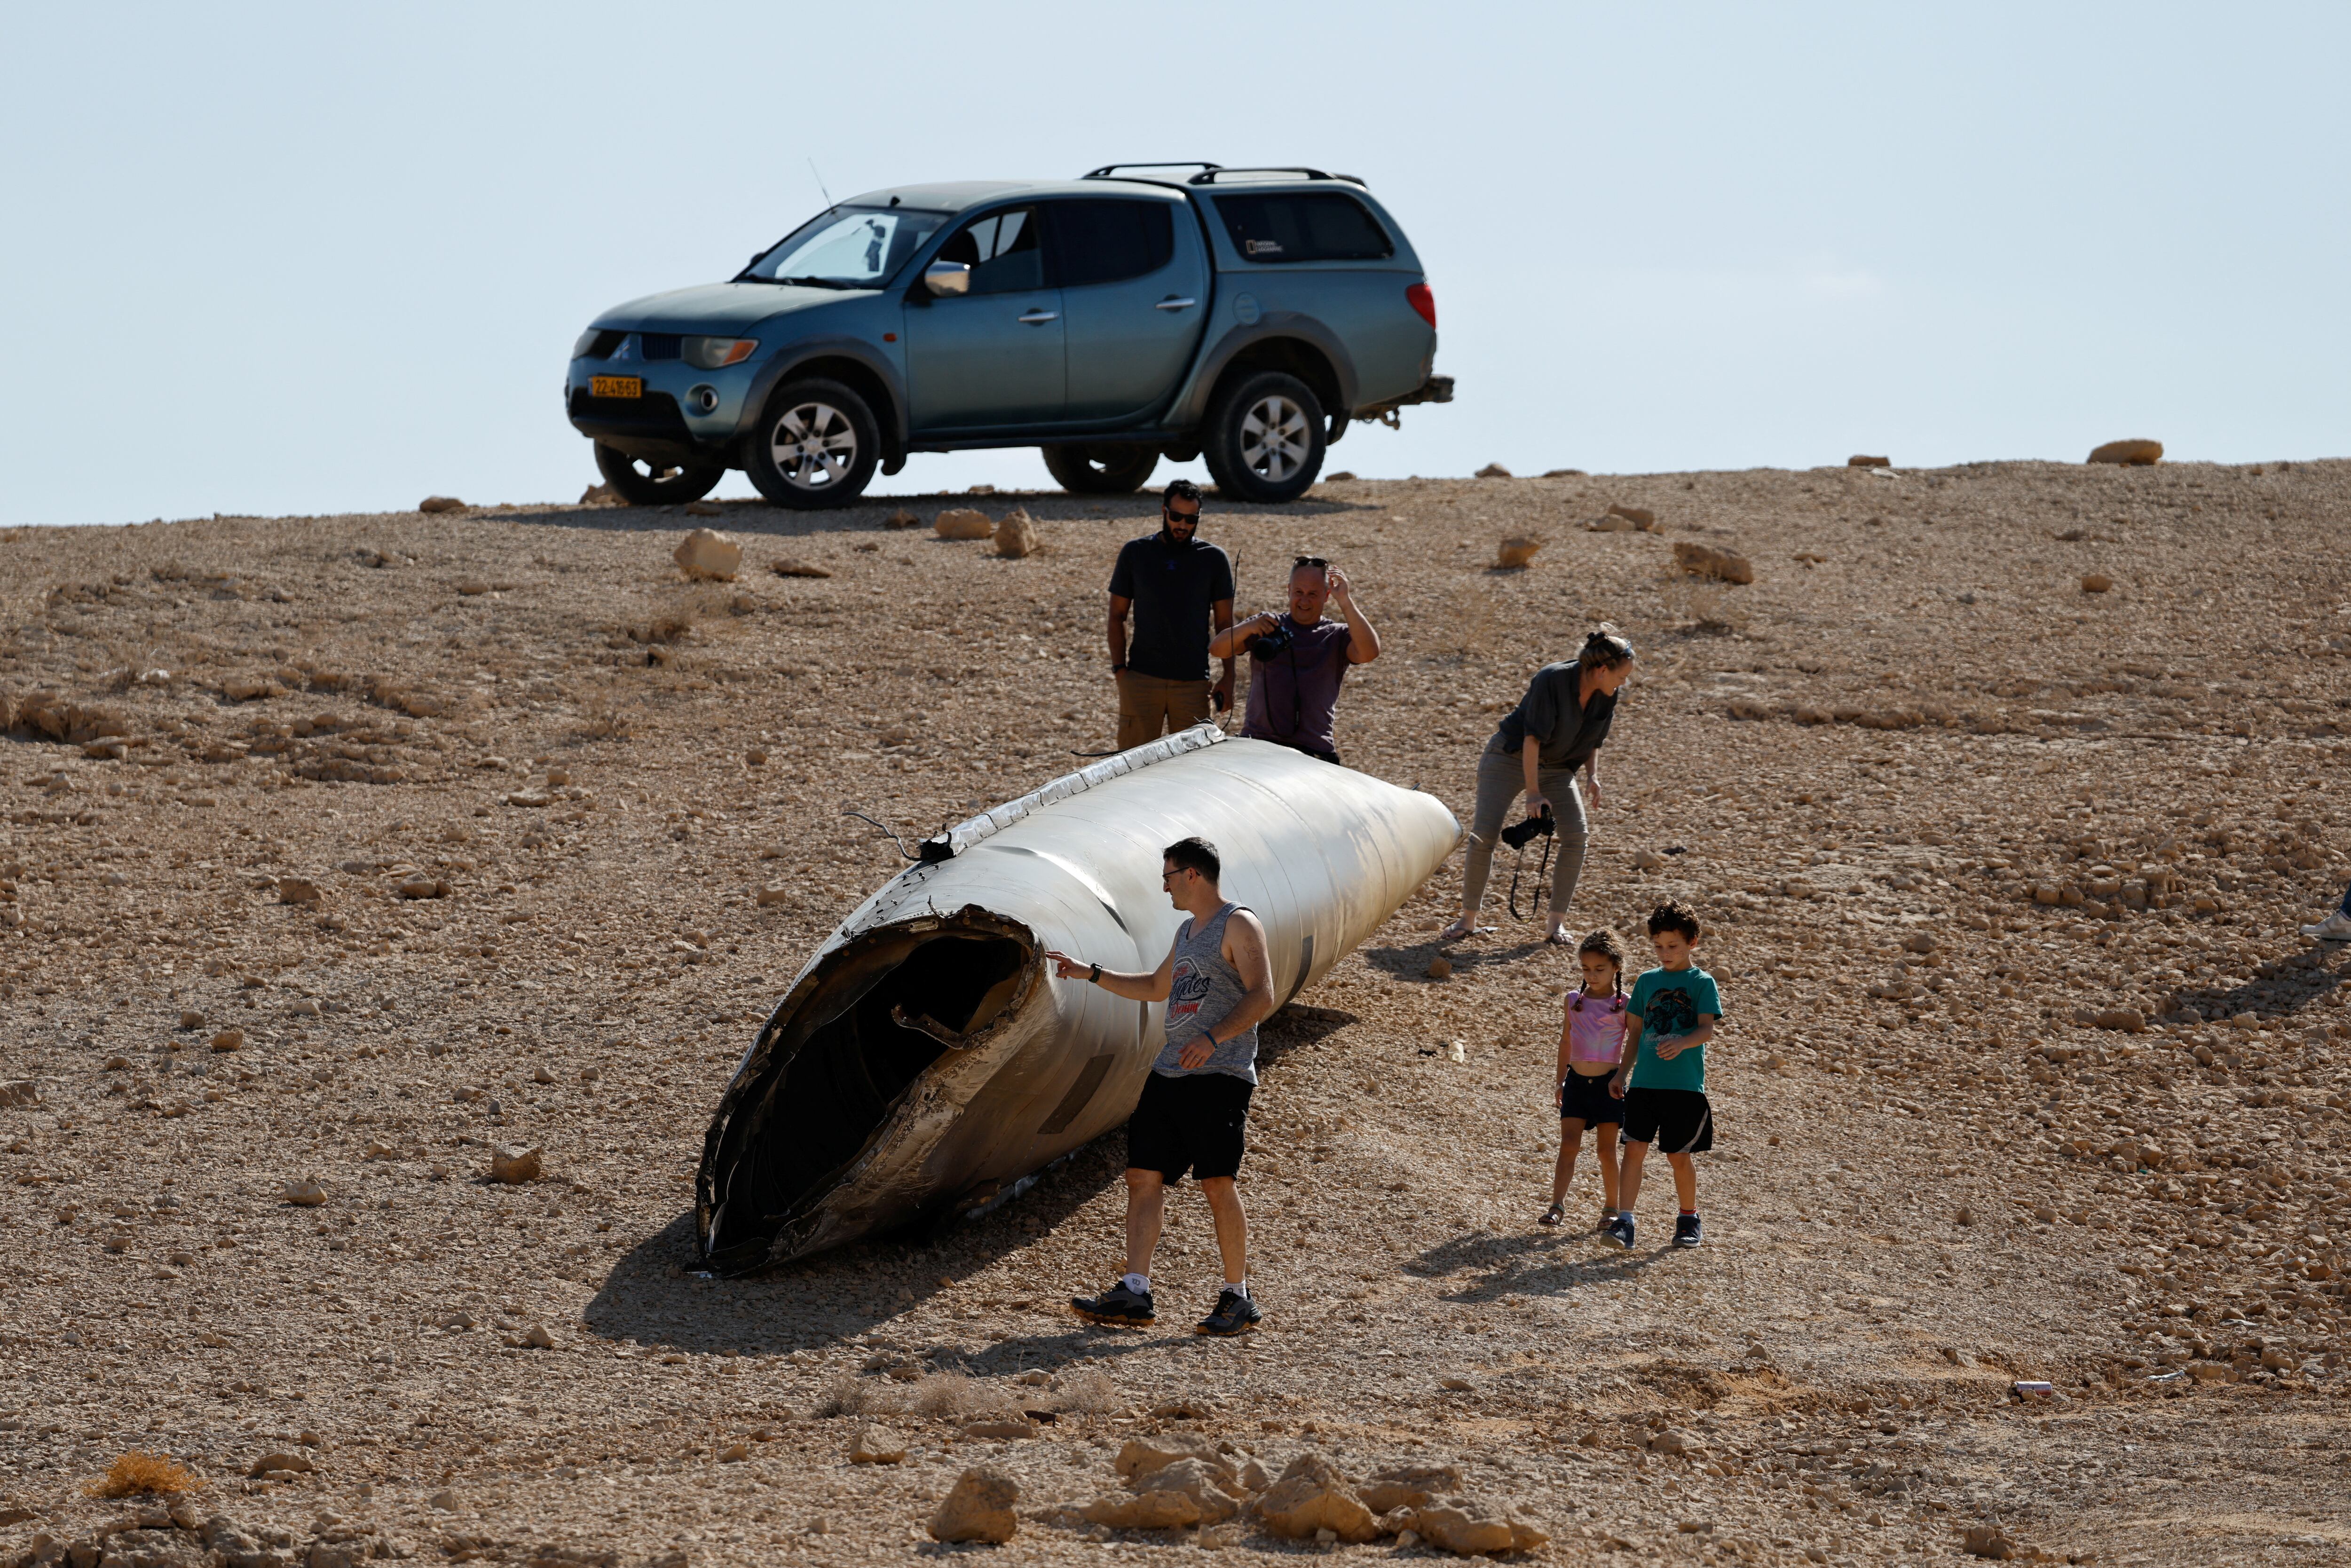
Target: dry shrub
(606, 722)
(1089, 1392)
(947, 1395)
(136, 1472)
(666, 628)
(842, 1395)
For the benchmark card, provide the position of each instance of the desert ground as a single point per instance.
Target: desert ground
(344, 851)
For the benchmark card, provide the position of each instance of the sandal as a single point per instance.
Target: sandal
(1463, 927)
(1553, 1214)
(1563, 938)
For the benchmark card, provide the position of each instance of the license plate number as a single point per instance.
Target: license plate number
(616, 386)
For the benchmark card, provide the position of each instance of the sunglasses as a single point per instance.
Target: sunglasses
(1315, 561)
(1173, 516)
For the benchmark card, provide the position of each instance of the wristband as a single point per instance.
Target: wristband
(1095, 979)
(1115, 669)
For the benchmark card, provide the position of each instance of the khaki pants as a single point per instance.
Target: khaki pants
(1149, 708)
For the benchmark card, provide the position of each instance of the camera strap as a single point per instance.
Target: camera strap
(1542, 881)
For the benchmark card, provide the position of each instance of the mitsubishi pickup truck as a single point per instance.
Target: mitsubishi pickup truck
(1243, 316)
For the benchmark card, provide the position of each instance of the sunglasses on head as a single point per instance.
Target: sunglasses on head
(1315, 561)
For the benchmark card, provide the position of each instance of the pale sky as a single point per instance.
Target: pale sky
(304, 258)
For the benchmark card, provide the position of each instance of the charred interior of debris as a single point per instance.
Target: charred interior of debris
(883, 1008)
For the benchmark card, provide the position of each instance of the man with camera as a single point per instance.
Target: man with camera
(1300, 659)
(1177, 584)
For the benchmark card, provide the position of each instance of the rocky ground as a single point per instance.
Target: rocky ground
(341, 851)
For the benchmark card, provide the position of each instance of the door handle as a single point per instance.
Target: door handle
(1172, 303)
(1038, 317)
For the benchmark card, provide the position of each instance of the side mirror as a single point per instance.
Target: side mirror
(946, 279)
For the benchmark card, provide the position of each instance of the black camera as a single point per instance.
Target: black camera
(1526, 833)
(1274, 643)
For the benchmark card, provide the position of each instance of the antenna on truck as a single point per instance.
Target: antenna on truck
(829, 202)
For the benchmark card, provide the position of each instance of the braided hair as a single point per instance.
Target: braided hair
(1604, 941)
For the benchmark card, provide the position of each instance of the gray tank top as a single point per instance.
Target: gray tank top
(1204, 991)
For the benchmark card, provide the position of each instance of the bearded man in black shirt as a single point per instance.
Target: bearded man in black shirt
(1180, 588)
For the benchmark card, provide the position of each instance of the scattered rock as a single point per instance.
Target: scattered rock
(703, 509)
(1452, 1385)
(1493, 471)
(250, 688)
(708, 556)
(1675, 1440)
(1965, 1216)
(515, 1165)
(734, 1453)
(902, 518)
(1016, 535)
(1143, 1456)
(423, 887)
(800, 569)
(1000, 1429)
(535, 1337)
(1469, 1528)
(1159, 1509)
(1440, 967)
(1309, 1495)
(1860, 462)
(283, 1464)
(298, 890)
(1648, 860)
(2098, 582)
(20, 1091)
(1408, 1486)
(2127, 1021)
(774, 893)
(1722, 565)
(1343, 476)
(229, 1039)
(190, 1019)
(1517, 552)
(1989, 1540)
(305, 1194)
(2134, 453)
(440, 504)
(979, 1508)
(1639, 517)
(964, 523)
(877, 1445)
(600, 496)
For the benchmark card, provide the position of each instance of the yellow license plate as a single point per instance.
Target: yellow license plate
(616, 386)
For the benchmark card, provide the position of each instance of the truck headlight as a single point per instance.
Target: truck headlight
(716, 353)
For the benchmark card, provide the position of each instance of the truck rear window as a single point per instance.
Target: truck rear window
(1105, 241)
(1303, 226)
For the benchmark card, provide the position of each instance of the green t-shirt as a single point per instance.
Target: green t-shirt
(1668, 1001)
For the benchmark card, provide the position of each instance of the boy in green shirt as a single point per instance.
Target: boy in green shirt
(1662, 1076)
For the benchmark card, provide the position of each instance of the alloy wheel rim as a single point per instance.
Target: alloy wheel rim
(1274, 438)
(813, 446)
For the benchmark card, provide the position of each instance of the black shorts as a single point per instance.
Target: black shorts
(1678, 1120)
(1587, 1099)
(1194, 1122)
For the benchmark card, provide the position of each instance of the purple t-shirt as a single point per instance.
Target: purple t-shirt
(1294, 696)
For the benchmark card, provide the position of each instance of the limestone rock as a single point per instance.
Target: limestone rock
(1143, 1456)
(1155, 1510)
(294, 1464)
(2098, 582)
(1016, 535)
(1000, 1429)
(800, 569)
(1722, 565)
(708, 555)
(979, 1508)
(1517, 552)
(902, 518)
(1440, 967)
(703, 509)
(20, 1091)
(1860, 462)
(964, 523)
(774, 893)
(229, 1039)
(298, 890)
(1343, 476)
(250, 688)
(1648, 860)
(2127, 1021)
(305, 1194)
(2134, 453)
(1469, 1528)
(535, 1337)
(515, 1165)
(1409, 1486)
(877, 1445)
(1493, 471)
(440, 504)
(1673, 1441)
(600, 496)
(1989, 1540)
(1639, 517)
(1210, 1487)
(1309, 1495)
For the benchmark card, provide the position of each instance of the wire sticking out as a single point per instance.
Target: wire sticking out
(903, 852)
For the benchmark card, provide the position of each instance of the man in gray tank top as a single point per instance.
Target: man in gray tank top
(1218, 987)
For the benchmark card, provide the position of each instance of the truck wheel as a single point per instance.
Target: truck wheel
(815, 445)
(1108, 469)
(1263, 441)
(641, 483)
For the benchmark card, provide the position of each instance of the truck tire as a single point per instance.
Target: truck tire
(1263, 440)
(815, 445)
(1104, 469)
(641, 483)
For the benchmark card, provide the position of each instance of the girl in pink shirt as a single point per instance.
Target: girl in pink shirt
(1591, 1044)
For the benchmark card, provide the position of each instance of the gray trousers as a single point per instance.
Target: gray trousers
(1501, 778)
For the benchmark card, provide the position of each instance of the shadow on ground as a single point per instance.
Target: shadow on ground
(1493, 1266)
(756, 520)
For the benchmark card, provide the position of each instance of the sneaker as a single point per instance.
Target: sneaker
(1116, 1308)
(1619, 1230)
(2335, 927)
(1235, 1313)
(1687, 1231)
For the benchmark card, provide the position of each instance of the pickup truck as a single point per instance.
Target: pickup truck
(1244, 316)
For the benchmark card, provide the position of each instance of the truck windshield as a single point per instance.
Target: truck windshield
(846, 247)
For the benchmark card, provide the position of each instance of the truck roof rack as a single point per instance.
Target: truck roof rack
(1208, 176)
(1109, 171)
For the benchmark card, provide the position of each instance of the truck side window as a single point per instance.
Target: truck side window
(1001, 250)
(1105, 241)
(1304, 225)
